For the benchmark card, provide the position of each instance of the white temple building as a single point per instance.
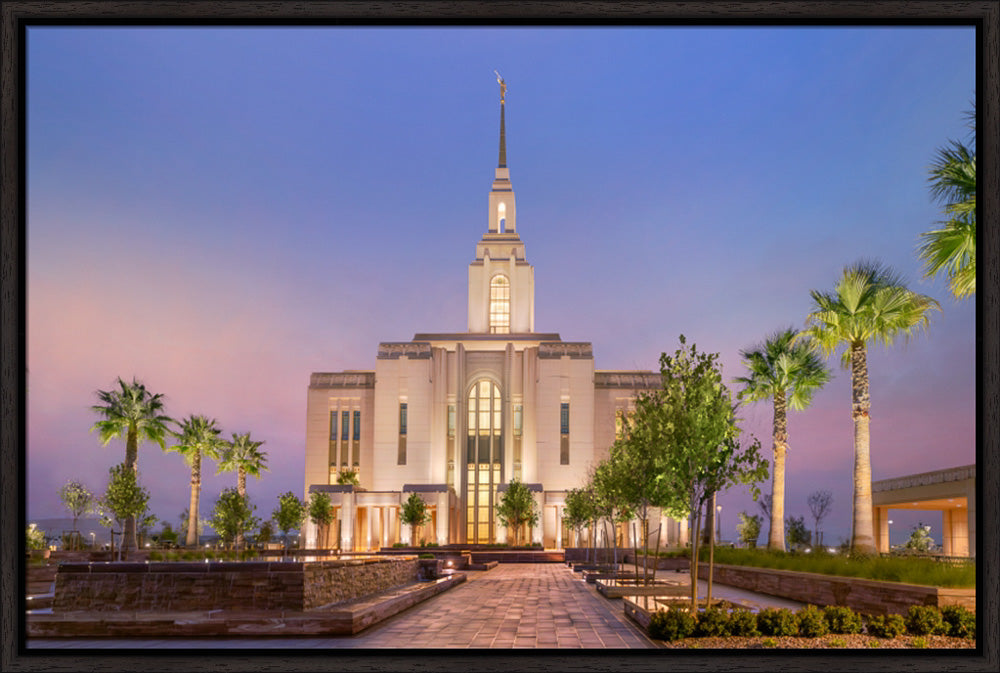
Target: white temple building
(455, 416)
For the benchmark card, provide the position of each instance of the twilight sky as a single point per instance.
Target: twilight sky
(220, 212)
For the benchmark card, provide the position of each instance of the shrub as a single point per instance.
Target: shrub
(777, 622)
(769, 642)
(961, 621)
(836, 642)
(919, 643)
(671, 624)
(425, 555)
(842, 619)
(923, 620)
(887, 626)
(712, 622)
(155, 556)
(742, 622)
(812, 622)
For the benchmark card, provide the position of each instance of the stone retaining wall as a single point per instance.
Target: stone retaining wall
(179, 587)
(868, 596)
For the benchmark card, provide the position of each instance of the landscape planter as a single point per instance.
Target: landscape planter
(872, 597)
(622, 588)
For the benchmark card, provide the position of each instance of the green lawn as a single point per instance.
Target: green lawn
(912, 570)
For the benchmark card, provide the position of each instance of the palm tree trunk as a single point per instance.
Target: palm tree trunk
(241, 488)
(192, 532)
(776, 535)
(862, 533)
(129, 540)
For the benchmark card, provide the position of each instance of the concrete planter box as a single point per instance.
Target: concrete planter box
(591, 576)
(670, 563)
(866, 596)
(619, 589)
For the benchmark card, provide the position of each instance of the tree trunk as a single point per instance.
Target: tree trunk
(696, 520)
(776, 536)
(128, 540)
(711, 549)
(862, 533)
(241, 488)
(192, 531)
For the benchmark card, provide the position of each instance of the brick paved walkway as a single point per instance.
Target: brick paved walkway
(514, 605)
(530, 605)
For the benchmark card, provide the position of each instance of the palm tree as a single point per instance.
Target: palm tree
(198, 436)
(952, 248)
(242, 455)
(788, 371)
(869, 303)
(133, 412)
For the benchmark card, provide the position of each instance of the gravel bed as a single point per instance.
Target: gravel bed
(832, 641)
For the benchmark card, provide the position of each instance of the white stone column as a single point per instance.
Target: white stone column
(682, 532)
(384, 510)
(347, 521)
(538, 532)
(559, 540)
(370, 537)
(442, 518)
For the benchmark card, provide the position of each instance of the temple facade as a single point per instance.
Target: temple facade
(454, 417)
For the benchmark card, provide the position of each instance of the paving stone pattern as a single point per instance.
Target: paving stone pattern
(538, 605)
(532, 605)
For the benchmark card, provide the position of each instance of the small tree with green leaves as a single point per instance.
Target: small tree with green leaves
(579, 511)
(78, 500)
(233, 516)
(694, 416)
(321, 514)
(920, 539)
(414, 514)
(124, 498)
(289, 514)
(348, 478)
(517, 508)
(34, 537)
(748, 528)
(797, 533)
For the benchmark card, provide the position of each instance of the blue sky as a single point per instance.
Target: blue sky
(221, 211)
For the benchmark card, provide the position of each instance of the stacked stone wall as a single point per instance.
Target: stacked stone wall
(332, 582)
(867, 596)
(182, 587)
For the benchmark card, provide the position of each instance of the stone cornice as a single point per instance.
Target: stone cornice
(415, 350)
(636, 380)
(926, 478)
(342, 380)
(549, 350)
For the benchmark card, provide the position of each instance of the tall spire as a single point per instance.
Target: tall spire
(502, 163)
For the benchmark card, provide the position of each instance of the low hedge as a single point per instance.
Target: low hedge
(811, 622)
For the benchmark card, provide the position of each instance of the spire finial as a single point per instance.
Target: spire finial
(502, 163)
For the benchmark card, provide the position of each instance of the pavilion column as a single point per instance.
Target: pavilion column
(880, 524)
(970, 505)
(682, 532)
(946, 532)
(370, 512)
(559, 540)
